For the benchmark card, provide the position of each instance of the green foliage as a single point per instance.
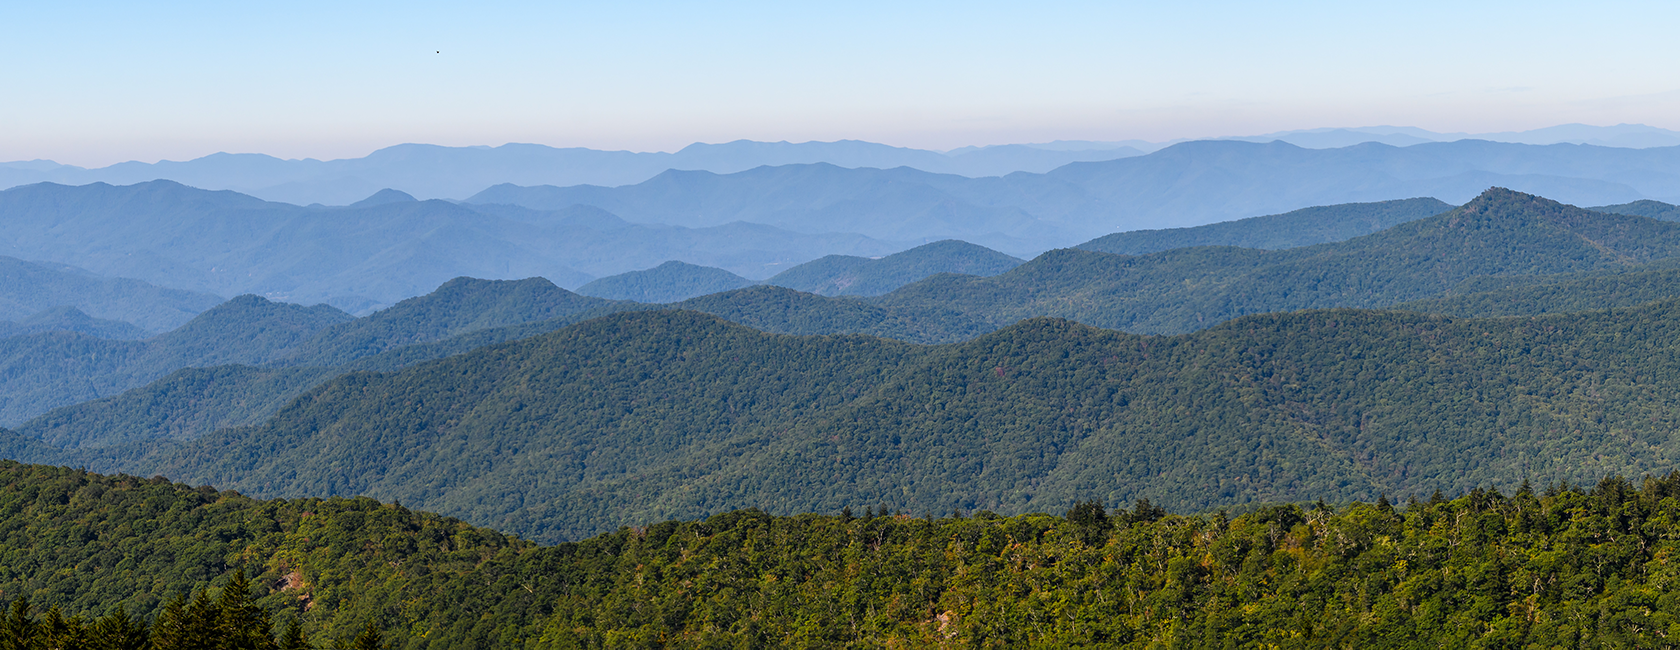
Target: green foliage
(784, 311)
(184, 405)
(1533, 295)
(459, 306)
(668, 282)
(1570, 568)
(229, 622)
(848, 275)
(90, 545)
(1500, 233)
(1564, 568)
(1304, 227)
(1644, 208)
(195, 401)
(40, 372)
(70, 319)
(645, 416)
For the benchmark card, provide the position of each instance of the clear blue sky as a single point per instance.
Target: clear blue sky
(92, 83)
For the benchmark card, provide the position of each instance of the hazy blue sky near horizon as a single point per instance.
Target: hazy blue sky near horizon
(92, 83)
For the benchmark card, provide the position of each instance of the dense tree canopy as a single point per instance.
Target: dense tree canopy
(115, 562)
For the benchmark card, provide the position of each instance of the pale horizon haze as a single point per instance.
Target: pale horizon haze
(95, 83)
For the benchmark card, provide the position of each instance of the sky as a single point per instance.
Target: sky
(93, 83)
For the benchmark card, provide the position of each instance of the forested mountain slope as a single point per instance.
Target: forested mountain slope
(669, 282)
(194, 401)
(186, 404)
(1645, 208)
(1304, 227)
(86, 543)
(29, 288)
(70, 319)
(642, 416)
(779, 310)
(1500, 233)
(1549, 294)
(849, 275)
(457, 307)
(39, 372)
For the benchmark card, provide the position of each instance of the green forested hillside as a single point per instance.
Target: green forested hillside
(669, 282)
(39, 372)
(459, 306)
(1497, 242)
(1530, 295)
(195, 401)
(848, 275)
(1500, 233)
(642, 416)
(70, 319)
(601, 402)
(1566, 568)
(86, 543)
(1644, 208)
(1562, 567)
(184, 405)
(1304, 227)
(784, 311)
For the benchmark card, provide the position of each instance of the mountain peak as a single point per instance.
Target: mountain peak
(1499, 203)
(669, 282)
(383, 197)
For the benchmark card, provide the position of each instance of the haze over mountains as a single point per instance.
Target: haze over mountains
(759, 222)
(529, 366)
(801, 335)
(436, 172)
(1189, 184)
(228, 244)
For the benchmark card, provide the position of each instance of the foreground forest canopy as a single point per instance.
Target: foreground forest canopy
(1562, 566)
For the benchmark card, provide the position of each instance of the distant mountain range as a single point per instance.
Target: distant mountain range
(1189, 184)
(759, 222)
(357, 258)
(436, 172)
(1635, 136)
